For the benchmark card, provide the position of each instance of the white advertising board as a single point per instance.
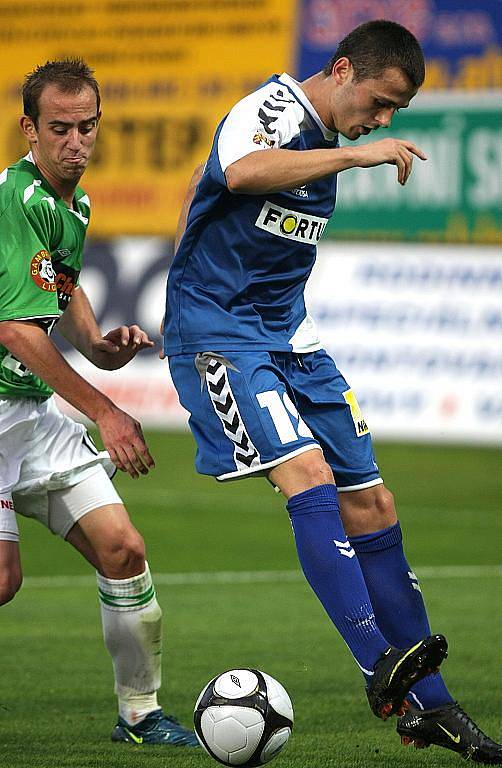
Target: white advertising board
(416, 330)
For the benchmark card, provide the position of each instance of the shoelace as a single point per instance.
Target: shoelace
(464, 717)
(172, 719)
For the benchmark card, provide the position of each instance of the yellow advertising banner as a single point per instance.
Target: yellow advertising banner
(169, 70)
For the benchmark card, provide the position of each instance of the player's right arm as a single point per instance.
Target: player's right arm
(29, 232)
(254, 155)
(120, 433)
(277, 170)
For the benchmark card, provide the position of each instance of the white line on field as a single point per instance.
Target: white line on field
(254, 577)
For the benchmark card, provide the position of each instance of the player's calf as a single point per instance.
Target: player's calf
(11, 576)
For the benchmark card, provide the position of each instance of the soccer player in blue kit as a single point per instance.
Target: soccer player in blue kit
(265, 398)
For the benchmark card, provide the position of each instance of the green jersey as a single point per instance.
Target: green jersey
(41, 243)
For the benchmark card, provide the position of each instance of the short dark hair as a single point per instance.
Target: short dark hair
(377, 45)
(69, 75)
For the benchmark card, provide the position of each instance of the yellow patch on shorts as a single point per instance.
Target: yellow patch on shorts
(355, 411)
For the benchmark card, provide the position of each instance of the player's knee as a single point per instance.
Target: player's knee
(314, 472)
(366, 511)
(10, 584)
(322, 474)
(301, 473)
(125, 556)
(383, 504)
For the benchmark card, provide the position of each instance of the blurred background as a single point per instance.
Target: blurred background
(408, 286)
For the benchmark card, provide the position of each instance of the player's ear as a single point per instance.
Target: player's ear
(28, 128)
(342, 70)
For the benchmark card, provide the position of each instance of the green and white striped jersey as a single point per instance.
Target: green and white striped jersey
(41, 243)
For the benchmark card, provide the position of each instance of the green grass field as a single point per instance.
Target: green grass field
(57, 707)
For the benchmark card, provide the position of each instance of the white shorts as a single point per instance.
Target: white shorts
(42, 454)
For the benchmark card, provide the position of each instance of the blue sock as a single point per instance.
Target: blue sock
(398, 603)
(332, 570)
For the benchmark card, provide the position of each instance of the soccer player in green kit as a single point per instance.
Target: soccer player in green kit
(50, 469)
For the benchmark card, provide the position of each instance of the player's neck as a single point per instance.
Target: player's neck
(314, 89)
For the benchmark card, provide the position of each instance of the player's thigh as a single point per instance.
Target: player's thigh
(91, 516)
(329, 407)
(241, 412)
(58, 454)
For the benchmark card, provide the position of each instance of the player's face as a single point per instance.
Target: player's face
(358, 108)
(63, 139)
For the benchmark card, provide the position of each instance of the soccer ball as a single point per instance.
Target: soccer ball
(243, 717)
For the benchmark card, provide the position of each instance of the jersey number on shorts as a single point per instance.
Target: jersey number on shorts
(281, 409)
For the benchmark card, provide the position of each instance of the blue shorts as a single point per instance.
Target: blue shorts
(250, 411)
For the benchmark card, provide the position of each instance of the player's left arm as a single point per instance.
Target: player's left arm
(109, 352)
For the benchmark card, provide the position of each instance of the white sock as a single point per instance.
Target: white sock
(132, 630)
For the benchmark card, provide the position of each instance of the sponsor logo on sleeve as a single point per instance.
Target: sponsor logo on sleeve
(300, 191)
(291, 225)
(262, 140)
(65, 281)
(42, 271)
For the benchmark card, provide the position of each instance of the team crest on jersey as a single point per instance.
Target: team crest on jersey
(42, 271)
(291, 225)
(260, 139)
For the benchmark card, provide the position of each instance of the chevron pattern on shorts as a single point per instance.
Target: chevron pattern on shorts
(245, 454)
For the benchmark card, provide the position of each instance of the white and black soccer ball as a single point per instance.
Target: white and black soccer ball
(243, 717)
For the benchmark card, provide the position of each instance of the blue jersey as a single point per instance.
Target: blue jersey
(237, 281)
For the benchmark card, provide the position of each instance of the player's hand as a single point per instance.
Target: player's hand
(393, 151)
(123, 438)
(162, 354)
(119, 346)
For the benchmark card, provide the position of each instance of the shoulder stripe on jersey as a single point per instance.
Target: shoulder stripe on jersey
(51, 202)
(30, 191)
(3, 176)
(82, 218)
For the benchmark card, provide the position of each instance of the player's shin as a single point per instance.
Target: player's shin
(332, 570)
(132, 630)
(397, 601)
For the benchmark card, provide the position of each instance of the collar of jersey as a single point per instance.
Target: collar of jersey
(295, 86)
(83, 197)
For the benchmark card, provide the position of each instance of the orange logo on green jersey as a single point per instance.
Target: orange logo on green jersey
(42, 271)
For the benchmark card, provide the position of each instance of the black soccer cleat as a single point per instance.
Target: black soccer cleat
(397, 670)
(451, 728)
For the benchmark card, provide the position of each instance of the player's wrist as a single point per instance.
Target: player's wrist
(354, 157)
(101, 409)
